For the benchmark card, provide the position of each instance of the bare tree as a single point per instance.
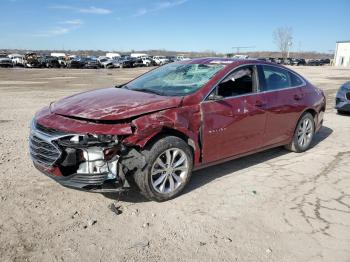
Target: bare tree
(283, 38)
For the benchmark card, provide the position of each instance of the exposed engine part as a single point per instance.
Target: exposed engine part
(95, 163)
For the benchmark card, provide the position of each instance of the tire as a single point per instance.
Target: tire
(154, 182)
(303, 134)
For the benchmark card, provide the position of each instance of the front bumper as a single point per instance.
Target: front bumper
(342, 102)
(99, 183)
(91, 173)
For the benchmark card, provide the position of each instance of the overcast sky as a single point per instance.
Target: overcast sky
(181, 25)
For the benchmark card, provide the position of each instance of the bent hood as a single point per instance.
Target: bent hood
(112, 104)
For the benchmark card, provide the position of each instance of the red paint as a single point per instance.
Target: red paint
(228, 128)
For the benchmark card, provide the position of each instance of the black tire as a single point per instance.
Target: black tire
(295, 146)
(143, 179)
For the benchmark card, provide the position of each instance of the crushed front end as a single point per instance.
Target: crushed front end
(86, 162)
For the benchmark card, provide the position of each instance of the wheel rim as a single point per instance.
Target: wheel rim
(305, 132)
(169, 171)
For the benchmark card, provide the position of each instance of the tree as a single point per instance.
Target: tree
(283, 38)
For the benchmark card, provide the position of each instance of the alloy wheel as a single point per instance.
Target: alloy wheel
(169, 171)
(305, 132)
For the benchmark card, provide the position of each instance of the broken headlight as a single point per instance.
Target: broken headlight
(88, 139)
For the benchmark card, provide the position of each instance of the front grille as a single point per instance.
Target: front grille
(47, 130)
(348, 95)
(42, 150)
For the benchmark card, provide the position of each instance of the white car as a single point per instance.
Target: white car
(5, 61)
(146, 61)
(17, 59)
(160, 60)
(182, 58)
(110, 63)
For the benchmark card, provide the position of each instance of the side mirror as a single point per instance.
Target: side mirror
(215, 97)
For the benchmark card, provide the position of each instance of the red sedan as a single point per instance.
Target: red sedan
(152, 132)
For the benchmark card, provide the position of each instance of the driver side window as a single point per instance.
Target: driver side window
(239, 82)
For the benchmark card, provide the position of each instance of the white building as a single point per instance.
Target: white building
(342, 53)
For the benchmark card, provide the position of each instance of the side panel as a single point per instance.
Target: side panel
(283, 108)
(232, 126)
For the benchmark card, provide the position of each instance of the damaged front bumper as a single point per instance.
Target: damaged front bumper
(84, 162)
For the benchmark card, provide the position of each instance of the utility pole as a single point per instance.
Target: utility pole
(289, 45)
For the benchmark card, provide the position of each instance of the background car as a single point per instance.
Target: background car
(5, 61)
(342, 98)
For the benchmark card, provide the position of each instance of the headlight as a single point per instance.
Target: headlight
(94, 138)
(344, 88)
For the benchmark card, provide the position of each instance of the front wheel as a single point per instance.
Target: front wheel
(168, 169)
(303, 134)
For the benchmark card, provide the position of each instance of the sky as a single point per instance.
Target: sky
(178, 25)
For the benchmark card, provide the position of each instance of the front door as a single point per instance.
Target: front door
(233, 116)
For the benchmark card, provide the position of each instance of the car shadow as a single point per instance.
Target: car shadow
(206, 175)
(343, 113)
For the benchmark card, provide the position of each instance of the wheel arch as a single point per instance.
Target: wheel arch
(165, 131)
(312, 111)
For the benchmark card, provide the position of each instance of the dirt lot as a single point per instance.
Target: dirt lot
(272, 206)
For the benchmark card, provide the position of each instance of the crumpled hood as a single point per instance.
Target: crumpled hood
(112, 104)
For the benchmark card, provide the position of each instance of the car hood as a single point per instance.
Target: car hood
(112, 104)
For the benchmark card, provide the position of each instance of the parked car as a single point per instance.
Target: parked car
(342, 99)
(49, 62)
(109, 63)
(5, 61)
(171, 59)
(127, 61)
(17, 59)
(325, 61)
(31, 60)
(153, 131)
(313, 62)
(298, 61)
(84, 62)
(279, 60)
(160, 60)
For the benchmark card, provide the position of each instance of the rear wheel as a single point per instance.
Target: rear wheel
(303, 134)
(168, 169)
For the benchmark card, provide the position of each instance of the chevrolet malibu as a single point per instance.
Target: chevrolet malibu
(153, 131)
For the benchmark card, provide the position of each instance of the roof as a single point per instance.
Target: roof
(345, 41)
(221, 60)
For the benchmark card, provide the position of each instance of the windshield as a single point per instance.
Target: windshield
(175, 79)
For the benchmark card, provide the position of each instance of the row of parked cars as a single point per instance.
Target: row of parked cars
(297, 61)
(57, 60)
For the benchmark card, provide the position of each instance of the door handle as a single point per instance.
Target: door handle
(260, 103)
(298, 97)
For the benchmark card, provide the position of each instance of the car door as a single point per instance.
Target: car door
(233, 116)
(284, 105)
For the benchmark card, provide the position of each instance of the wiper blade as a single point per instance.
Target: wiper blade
(122, 86)
(148, 91)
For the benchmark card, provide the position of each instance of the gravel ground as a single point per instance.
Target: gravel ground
(271, 206)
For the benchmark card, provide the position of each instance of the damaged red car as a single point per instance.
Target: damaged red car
(152, 132)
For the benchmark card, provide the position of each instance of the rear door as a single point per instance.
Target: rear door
(284, 98)
(234, 122)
